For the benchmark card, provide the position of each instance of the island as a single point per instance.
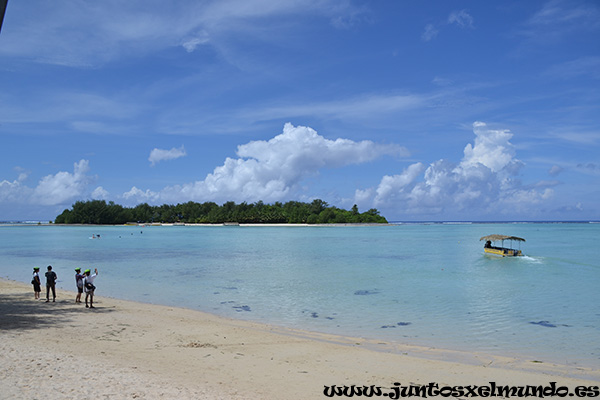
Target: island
(100, 212)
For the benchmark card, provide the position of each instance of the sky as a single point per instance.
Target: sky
(437, 110)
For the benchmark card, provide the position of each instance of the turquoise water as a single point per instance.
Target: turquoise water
(423, 284)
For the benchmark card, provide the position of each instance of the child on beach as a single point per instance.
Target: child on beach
(79, 283)
(88, 284)
(50, 284)
(37, 284)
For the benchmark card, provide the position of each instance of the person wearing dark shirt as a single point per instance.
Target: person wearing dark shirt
(50, 284)
(79, 283)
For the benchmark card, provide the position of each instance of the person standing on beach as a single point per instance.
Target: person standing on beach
(37, 284)
(88, 284)
(79, 283)
(50, 284)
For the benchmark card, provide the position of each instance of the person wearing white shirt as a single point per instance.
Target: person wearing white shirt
(37, 286)
(88, 285)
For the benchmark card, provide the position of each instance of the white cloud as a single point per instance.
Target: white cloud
(557, 19)
(482, 182)
(100, 193)
(191, 43)
(461, 18)
(392, 187)
(430, 32)
(555, 170)
(13, 192)
(139, 196)
(58, 189)
(492, 149)
(271, 170)
(84, 34)
(158, 155)
(555, 13)
(62, 187)
(351, 109)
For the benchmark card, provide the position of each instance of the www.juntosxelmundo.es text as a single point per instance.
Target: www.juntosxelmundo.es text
(435, 390)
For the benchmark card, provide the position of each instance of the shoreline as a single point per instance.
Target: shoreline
(224, 224)
(128, 349)
(230, 224)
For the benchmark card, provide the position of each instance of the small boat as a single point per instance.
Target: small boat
(491, 248)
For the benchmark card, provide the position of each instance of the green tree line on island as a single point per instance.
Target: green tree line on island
(293, 212)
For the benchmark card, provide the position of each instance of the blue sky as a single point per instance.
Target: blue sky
(435, 110)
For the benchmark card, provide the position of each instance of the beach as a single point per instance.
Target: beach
(128, 350)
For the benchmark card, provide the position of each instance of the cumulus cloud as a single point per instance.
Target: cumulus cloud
(491, 149)
(58, 189)
(13, 192)
(271, 170)
(100, 193)
(158, 155)
(62, 187)
(140, 196)
(482, 181)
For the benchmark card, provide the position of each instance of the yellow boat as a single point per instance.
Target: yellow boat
(491, 248)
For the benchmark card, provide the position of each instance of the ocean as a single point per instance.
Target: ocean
(420, 284)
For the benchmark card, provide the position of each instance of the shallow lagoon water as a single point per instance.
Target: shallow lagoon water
(423, 284)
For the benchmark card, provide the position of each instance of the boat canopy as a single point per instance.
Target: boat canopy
(494, 238)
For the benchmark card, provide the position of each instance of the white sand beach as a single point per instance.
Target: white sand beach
(129, 350)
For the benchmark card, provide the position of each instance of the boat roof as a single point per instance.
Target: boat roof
(501, 237)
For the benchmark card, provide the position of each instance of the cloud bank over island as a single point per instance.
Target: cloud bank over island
(483, 184)
(270, 170)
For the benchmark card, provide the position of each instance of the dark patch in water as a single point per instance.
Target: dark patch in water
(544, 323)
(314, 314)
(227, 302)
(241, 308)
(366, 292)
(548, 324)
(401, 323)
